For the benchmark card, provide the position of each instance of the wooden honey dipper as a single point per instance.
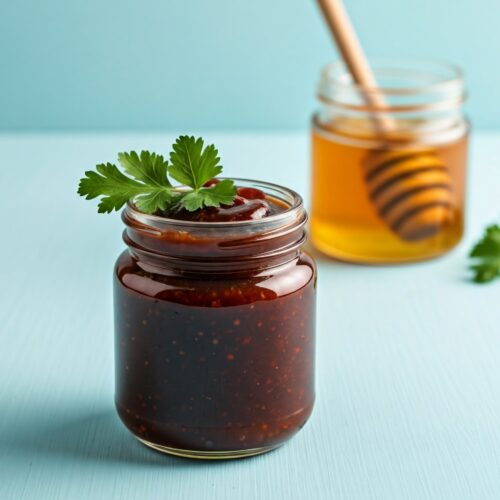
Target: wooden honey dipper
(410, 189)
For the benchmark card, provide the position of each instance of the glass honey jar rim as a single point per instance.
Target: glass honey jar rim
(430, 85)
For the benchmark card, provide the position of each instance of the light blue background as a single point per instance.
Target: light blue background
(218, 64)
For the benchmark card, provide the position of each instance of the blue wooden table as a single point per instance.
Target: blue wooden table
(408, 402)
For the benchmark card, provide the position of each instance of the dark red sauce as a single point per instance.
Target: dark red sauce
(214, 359)
(249, 204)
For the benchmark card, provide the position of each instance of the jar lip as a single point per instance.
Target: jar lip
(289, 196)
(337, 74)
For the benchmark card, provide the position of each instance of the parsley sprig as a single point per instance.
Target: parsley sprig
(145, 179)
(486, 254)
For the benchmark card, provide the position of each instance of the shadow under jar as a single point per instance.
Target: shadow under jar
(215, 331)
(395, 193)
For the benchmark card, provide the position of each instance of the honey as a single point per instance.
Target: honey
(390, 199)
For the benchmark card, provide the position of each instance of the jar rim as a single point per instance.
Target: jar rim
(293, 211)
(336, 73)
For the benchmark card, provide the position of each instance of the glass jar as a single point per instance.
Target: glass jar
(215, 331)
(388, 184)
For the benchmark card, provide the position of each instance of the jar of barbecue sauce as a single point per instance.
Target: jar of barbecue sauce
(388, 182)
(215, 326)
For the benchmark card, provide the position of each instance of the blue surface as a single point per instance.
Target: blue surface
(176, 64)
(408, 375)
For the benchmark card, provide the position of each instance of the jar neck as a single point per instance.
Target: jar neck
(170, 246)
(418, 101)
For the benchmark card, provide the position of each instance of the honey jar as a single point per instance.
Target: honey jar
(397, 193)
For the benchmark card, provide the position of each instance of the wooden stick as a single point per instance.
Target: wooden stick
(355, 59)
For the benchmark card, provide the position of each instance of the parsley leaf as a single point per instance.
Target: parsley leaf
(486, 253)
(159, 199)
(147, 183)
(221, 193)
(191, 164)
(116, 189)
(150, 168)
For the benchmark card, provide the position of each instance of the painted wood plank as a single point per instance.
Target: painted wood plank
(408, 375)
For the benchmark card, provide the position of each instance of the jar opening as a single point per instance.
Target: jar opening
(407, 85)
(421, 99)
(290, 198)
(400, 76)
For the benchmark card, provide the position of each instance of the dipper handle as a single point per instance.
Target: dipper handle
(355, 59)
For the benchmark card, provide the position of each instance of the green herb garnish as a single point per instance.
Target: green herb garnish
(145, 179)
(486, 253)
